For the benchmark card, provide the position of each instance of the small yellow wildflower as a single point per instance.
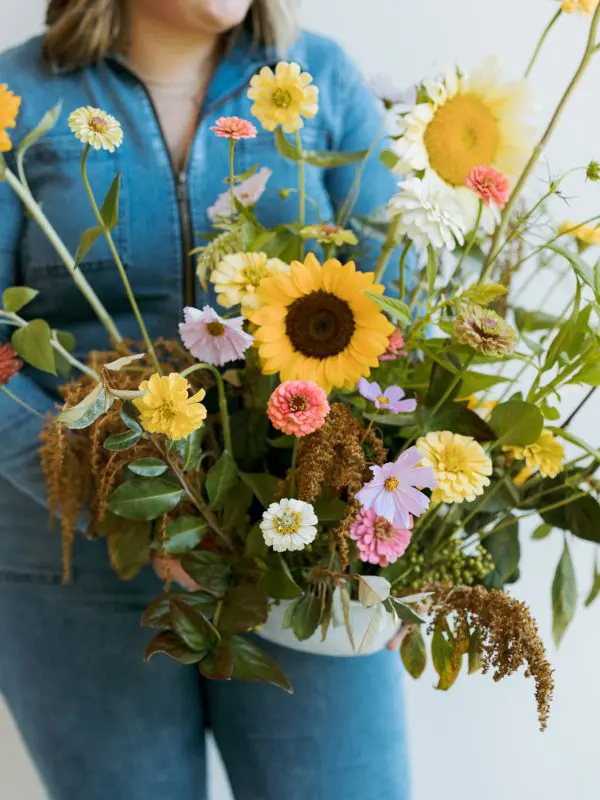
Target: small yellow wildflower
(283, 97)
(585, 235)
(97, 128)
(9, 108)
(546, 454)
(474, 403)
(460, 465)
(166, 407)
(329, 234)
(579, 6)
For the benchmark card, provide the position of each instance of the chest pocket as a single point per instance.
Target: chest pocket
(53, 172)
(272, 210)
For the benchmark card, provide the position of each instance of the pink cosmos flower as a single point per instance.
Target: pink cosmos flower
(298, 407)
(395, 348)
(213, 339)
(378, 541)
(489, 185)
(247, 192)
(390, 400)
(234, 128)
(392, 493)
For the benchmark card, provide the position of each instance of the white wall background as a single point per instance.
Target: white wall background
(480, 739)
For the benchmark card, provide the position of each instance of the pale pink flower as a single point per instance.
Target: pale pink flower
(392, 493)
(489, 185)
(213, 339)
(395, 348)
(390, 400)
(234, 128)
(378, 541)
(298, 407)
(247, 192)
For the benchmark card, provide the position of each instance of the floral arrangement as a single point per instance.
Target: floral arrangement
(316, 440)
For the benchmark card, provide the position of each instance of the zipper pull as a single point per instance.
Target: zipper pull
(182, 186)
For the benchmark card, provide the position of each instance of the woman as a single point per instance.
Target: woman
(99, 723)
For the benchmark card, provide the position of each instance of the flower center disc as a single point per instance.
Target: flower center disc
(281, 98)
(391, 484)
(297, 402)
(320, 325)
(463, 134)
(98, 124)
(287, 522)
(451, 460)
(215, 328)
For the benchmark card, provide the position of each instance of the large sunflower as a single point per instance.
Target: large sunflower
(465, 121)
(318, 324)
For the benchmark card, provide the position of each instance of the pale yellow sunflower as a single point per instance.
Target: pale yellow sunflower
(9, 109)
(238, 275)
(546, 454)
(461, 466)
(318, 324)
(283, 97)
(167, 408)
(95, 127)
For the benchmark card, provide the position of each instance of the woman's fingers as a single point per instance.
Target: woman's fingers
(169, 569)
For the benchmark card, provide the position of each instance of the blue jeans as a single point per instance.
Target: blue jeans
(102, 725)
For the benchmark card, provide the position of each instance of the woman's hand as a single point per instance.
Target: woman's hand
(169, 569)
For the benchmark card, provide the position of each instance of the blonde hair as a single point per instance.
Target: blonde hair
(80, 32)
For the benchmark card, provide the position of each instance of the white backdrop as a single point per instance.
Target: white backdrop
(451, 755)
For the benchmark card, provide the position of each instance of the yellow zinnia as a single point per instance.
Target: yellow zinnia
(585, 235)
(9, 108)
(166, 407)
(318, 324)
(546, 454)
(579, 6)
(238, 275)
(95, 127)
(283, 97)
(460, 465)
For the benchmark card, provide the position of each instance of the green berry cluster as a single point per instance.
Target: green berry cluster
(450, 564)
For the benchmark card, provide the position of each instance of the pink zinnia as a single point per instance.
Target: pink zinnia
(395, 348)
(489, 185)
(234, 128)
(390, 400)
(298, 407)
(213, 339)
(10, 365)
(392, 493)
(378, 541)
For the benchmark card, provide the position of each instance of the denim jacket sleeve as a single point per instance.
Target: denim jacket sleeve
(19, 429)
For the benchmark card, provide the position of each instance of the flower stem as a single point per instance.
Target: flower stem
(402, 270)
(232, 175)
(469, 245)
(301, 186)
(583, 65)
(386, 251)
(117, 259)
(223, 410)
(21, 403)
(540, 44)
(293, 467)
(76, 274)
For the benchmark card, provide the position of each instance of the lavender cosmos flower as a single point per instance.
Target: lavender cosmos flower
(390, 400)
(212, 338)
(392, 493)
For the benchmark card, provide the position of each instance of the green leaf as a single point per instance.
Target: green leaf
(250, 663)
(323, 159)
(589, 374)
(128, 415)
(564, 595)
(542, 531)
(16, 297)
(148, 467)
(440, 381)
(406, 612)
(244, 607)
(128, 545)
(121, 441)
(330, 508)
(306, 616)
(32, 343)
(580, 267)
(570, 437)
(44, 126)
(183, 534)
(237, 507)
(157, 614)
(86, 242)
(193, 627)
(595, 589)
(255, 543)
(67, 340)
(282, 442)
(88, 410)
(446, 659)
(458, 419)
(564, 335)
(110, 206)
(517, 423)
(474, 653)
(217, 665)
(278, 582)
(124, 361)
(396, 310)
(263, 485)
(482, 294)
(144, 498)
(527, 320)
(286, 148)
(505, 550)
(414, 653)
(210, 571)
(221, 479)
(474, 382)
(190, 449)
(171, 645)
(388, 159)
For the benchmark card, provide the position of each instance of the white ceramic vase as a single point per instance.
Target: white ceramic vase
(337, 642)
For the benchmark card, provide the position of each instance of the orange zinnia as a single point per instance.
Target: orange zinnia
(9, 108)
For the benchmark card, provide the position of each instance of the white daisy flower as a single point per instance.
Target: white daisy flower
(97, 128)
(237, 277)
(289, 525)
(429, 213)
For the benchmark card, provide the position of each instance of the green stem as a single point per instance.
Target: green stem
(349, 202)
(386, 251)
(469, 246)
(117, 259)
(540, 44)
(223, 410)
(301, 186)
(232, 174)
(65, 256)
(539, 148)
(293, 467)
(453, 384)
(402, 269)
(20, 402)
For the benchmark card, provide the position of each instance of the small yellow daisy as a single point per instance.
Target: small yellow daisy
(546, 454)
(585, 235)
(283, 97)
(579, 6)
(97, 128)
(166, 407)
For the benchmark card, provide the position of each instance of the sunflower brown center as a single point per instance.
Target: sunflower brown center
(215, 328)
(297, 402)
(281, 98)
(320, 325)
(98, 124)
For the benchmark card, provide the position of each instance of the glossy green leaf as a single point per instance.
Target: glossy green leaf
(564, 595)
(17, 297)
(482, 294)
(87, 410)
(457, 418)
(263, 485)
(595, 588)
(528, 320)
(183, 534)
(330, 508)
(306, 616)
(110, 206)
(67, 340)
(129, 415)
(190, 449)
(474, 382)
(211, 572)
(218, 664)
(255, 543)
(244, 607)
(128, 545)
(221, 479)
(32, 343)
(171, 645)
(279, 583)
(407, 613)
(324, 159)
(121, 441)
(414, 653)
(250, 663)
(516, 423)
(157, 614)
(589, 374)
(148, 467)
(542, 531)
(193, 627)
(144, 498)
(86, 242)
(505, 550)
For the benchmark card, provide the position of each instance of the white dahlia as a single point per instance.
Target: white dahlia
(289, 525)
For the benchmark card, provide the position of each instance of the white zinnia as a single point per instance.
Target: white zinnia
(289, 525)
(238, 275)
(429, 213)
(95, 127)
(247, 193)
